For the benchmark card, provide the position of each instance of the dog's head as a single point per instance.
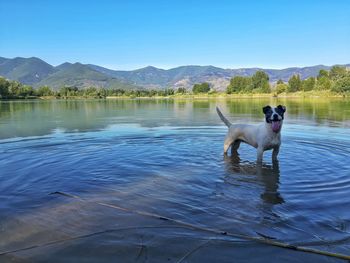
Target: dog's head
(274, 116)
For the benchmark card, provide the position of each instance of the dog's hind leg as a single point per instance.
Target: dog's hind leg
(228, 142)
(235, 146)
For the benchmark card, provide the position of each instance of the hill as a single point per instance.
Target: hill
(36, 72)
(81, 76)
(187, 76)
(26, 70)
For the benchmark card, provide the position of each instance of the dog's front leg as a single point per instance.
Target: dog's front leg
(260, 153)
(275, 153)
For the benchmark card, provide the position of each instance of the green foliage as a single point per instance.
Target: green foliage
(322, 73)
(181, 91)
(44, 91)
(25, 90)
(4, 84)
(140, 92)
(337, 72)
(308, 84)
(239, 84)
(336, 80)
(260, 82)
(170, 92)
(294, 83)
(68, 91)
(91, 92)
(201, 88)
(342, 84)
(102, 93)
(281, 87)
(12, 89)
(323, 83)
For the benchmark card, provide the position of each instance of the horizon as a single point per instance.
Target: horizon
(133, 35)
(254, 67)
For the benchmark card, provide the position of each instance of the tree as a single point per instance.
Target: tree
(4, 87)
(169, 92)
(322, 73)
(308, 84)
(260, 82)
(25, 90)
(294, 83)
(281, 87)
(181, 91)
(280, 81)
(44, 91)
(91, 92)
(14, 88)
(102, 92)
(342, 84)
(337, 72)
(201, 88)
(323, 83)
(68, 91)
(238, 84)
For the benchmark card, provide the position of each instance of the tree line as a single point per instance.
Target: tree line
(14, 89)
(337, 79)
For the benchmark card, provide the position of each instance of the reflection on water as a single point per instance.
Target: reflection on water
(165, 157)
(267, 174)
(32, 118)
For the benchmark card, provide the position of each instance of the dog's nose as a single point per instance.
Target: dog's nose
(275, 117)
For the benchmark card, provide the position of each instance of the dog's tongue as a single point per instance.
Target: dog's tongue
(276, 125)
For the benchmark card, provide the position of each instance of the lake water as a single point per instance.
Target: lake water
(165, 157)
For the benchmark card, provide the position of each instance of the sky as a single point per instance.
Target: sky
(134, 34)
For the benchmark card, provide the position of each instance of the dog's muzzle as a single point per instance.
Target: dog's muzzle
(276, 126)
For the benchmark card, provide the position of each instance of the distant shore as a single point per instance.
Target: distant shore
(216, 95)
(219, 95)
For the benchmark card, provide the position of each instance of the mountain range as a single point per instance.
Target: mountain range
(36, 72)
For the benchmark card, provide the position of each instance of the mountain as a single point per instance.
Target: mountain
(26, 70)
(304, 72)
(81, 76)
(152, 77)
(36, 72)
(149, 77)
(187, 76)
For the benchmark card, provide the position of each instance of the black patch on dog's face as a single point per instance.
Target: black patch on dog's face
(267, 110)
(280, 110)
(274, 114)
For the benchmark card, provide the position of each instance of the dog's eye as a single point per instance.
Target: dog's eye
(281, 108)
(266, 109)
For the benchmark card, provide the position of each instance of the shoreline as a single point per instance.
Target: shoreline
(294, 95)
(298, 95)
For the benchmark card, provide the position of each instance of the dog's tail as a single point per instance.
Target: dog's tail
(222, 117)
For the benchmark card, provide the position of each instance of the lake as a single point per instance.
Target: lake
(165, 157)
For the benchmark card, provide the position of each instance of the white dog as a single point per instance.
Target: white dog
(265, 136)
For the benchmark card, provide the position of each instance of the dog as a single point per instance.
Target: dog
(263, 137)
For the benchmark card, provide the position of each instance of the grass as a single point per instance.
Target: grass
(217, 95)
(299, 94)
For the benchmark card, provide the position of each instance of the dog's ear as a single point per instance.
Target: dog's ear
(282, 108)
(266, 109)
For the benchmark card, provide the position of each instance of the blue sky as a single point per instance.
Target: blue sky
(134, 34)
